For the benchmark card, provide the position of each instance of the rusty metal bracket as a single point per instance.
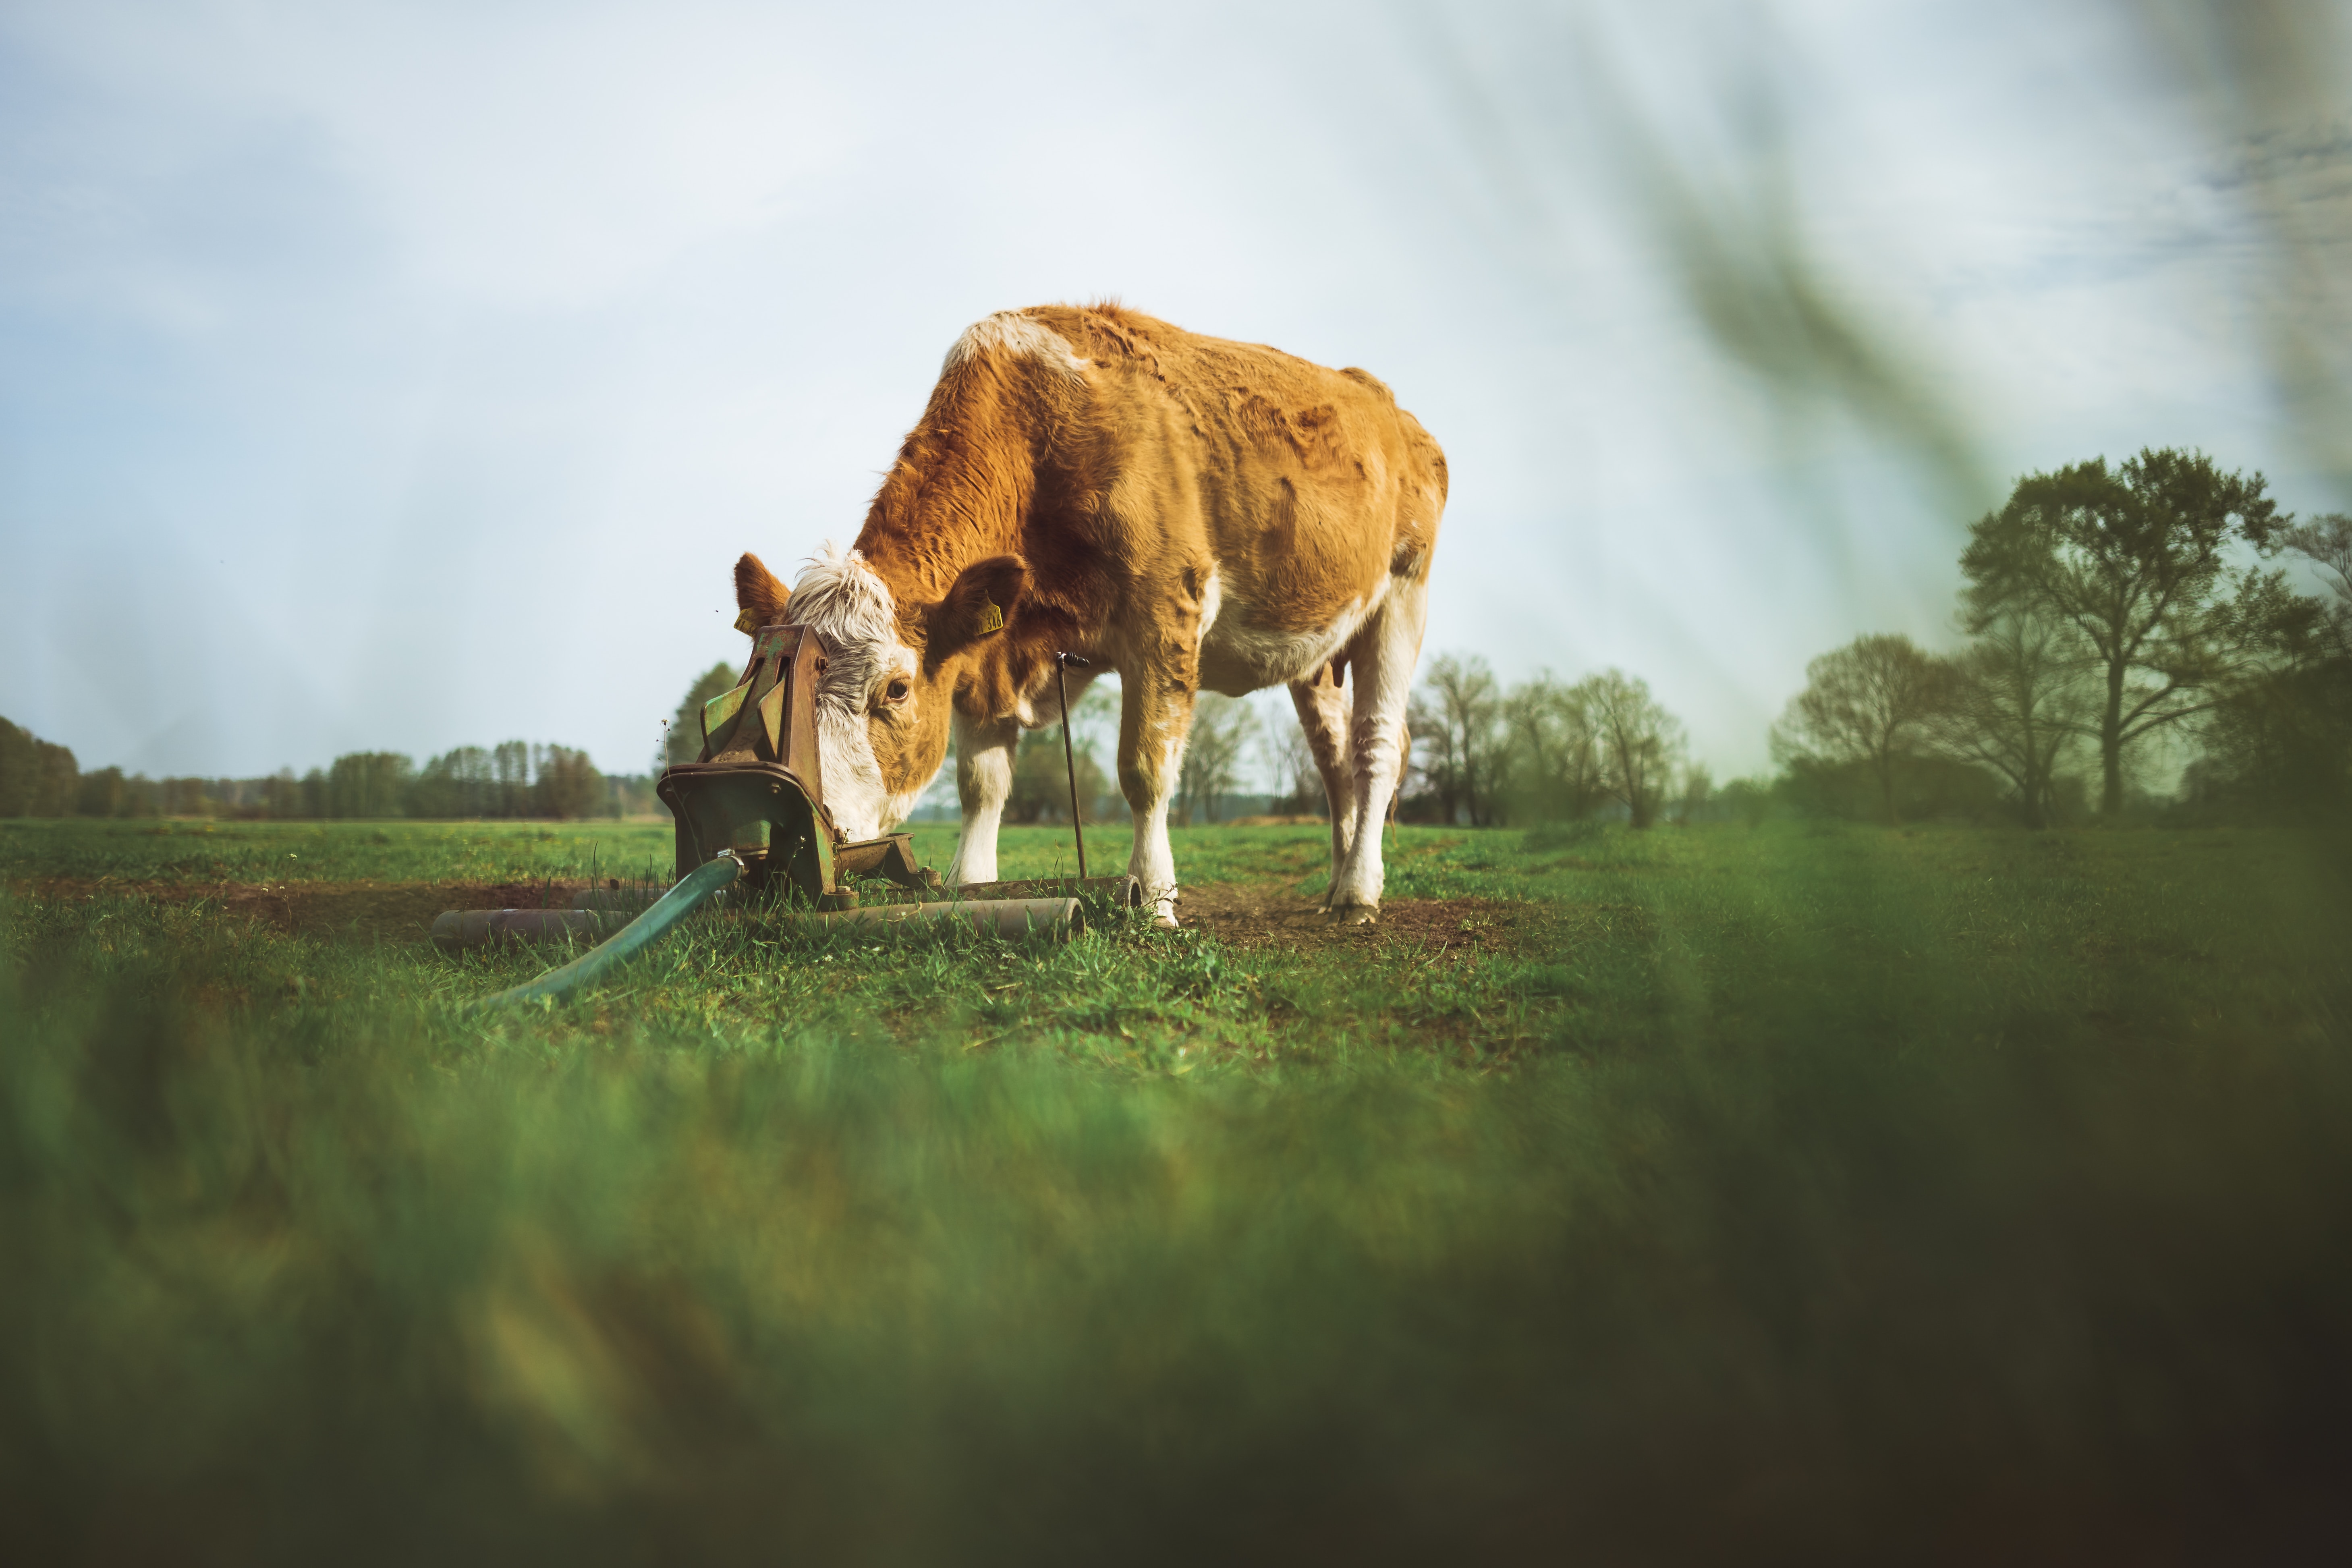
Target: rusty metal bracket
(758, 787)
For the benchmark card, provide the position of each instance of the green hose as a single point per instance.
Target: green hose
(696, 889)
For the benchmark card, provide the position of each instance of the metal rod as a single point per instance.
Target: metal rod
(1062, 662)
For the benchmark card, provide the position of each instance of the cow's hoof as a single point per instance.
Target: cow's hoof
(1353, 914)
(1164, 923)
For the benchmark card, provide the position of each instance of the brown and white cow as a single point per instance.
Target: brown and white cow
(1193, 513)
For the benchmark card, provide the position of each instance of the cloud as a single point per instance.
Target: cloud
(539, 157)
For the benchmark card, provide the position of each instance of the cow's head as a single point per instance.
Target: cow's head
(891, 671)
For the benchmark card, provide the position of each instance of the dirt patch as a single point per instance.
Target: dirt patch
(402, 913)
(1244, 916)
(394, 912)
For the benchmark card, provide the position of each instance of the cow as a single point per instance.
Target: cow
(1194, 513)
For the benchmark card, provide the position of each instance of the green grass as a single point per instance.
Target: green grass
(1801, 1194)
(181, 850)
(174, 850)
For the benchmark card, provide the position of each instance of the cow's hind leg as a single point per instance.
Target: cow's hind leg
(1322, 705)
(1382, 658)
(983, 783)
(1155, 716)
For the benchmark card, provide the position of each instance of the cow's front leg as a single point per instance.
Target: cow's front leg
(983, 750)
(1322, 705)
(1155, 715)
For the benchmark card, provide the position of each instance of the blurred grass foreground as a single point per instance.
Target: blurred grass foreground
(1851, 1195)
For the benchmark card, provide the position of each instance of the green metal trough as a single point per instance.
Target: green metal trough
(752, 828)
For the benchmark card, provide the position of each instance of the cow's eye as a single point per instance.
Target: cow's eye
(895, 691)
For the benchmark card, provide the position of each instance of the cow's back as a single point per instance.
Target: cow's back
(1288, 493)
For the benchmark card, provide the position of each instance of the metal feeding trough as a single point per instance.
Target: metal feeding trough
(752, 822)
(759, 787)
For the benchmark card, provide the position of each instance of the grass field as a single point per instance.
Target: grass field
(1800, 1193)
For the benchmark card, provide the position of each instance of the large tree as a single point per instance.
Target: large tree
(568, 787)
(2281, 739)
(1290, 761)
(2327, 544)
(1640, 741)
(1453, 719)
(1042, 772)
(1872, 702)
(1549, 753)
(2138, 560)
(2019, 699)
(682, 738)
(1219, 739)
(37, 777)
(366, 784)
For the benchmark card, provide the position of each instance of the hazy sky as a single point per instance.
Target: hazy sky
(404, 377)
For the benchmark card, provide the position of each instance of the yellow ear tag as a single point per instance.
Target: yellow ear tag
(745, 623)
(992, 619)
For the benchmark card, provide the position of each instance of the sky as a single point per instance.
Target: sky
(408, 376)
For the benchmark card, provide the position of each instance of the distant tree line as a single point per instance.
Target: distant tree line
(517, 779)
(36, 777)
(2113, 611)
(2110, 611)
(1545, 751)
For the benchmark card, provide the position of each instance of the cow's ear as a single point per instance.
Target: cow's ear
(758, 595)
(981, 603)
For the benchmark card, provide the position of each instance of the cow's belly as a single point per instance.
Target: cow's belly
(1238, 656)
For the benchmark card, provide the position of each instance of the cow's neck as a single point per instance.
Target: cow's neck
(960, 489)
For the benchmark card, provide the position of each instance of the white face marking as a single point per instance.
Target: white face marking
(1010, 333)
(854, 791)
(855, 616)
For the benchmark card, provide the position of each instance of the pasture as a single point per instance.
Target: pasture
(1803, 1192)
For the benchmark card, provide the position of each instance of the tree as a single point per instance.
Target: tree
(456, 783)
(1040, 774)
(510, 780)
(2019, 698)
(37, 777)
(368, 783)
(105, 793)
(1640, 741)
(1697, 791)
(2280, 740)
(189, 798)
(683, 742)
(2327, 544)
(1290, 761)
(1221, 729)
(1041, 780)
(1455, 720)
(281, 795)
(2135, 561)
(1549, 761)
(1870, 702)
(1746, 799)
(568, 786)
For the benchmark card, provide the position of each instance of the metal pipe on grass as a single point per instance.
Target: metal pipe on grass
(697, 887)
